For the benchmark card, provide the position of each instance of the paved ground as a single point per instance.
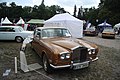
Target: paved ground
(107, 42)
(106, 68)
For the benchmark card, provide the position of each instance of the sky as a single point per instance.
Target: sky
(68, 5)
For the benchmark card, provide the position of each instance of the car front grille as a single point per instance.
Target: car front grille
(79, 54)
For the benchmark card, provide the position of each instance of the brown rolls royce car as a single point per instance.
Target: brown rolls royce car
(58, 49)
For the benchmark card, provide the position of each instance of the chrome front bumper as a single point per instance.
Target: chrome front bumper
(95, 59)
(59, 66)
(73, 64)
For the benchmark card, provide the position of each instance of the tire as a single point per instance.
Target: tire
(46, 65)
(18, 39)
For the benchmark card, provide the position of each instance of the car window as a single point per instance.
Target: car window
(37, 33)
(5, 29)
(2, 29)
(108, 30)
(55, 32)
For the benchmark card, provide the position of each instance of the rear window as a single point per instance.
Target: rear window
(108, 30)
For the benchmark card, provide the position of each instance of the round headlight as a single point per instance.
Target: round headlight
(93, 51)
(68, 55)
(64, 55)
(89, 51)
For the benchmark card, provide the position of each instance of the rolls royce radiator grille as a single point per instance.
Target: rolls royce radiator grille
(79, 54)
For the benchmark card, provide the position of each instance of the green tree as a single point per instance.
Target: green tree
(92, 15)
(110, 10)
(3, 9)
(75, 10)
(27, 10)
(42, 12)
(13, 4)
(79, 13)
(34, 12)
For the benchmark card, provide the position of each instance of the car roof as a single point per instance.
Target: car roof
(11, 26)
(50, 27)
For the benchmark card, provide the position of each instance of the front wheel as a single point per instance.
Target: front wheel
(18, 39)
(46, 64)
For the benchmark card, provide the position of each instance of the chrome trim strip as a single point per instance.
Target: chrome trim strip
(74, 64)
(95, 59)
(80, 63)
(64, 52)
(75, 47)
(59, 66)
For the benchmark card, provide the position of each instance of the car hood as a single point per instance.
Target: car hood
(68, 43)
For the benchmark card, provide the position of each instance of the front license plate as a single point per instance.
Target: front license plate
(81, 65)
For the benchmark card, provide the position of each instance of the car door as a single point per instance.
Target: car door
(2, 33)
(10, 33)
(36, 40)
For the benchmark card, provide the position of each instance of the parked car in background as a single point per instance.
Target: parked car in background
(14, 33)
(90, 31)
(108, 33)
(58, 49)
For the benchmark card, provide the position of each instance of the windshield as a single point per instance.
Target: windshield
(55, 32)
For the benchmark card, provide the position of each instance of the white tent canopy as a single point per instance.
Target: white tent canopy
(20, 21)
(105, 24)
(74, 25)
(117, 26)
(6, 21)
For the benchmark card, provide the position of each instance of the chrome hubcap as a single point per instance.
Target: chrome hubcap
(18, 39)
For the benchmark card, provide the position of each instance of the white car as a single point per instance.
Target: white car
(16, 33)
